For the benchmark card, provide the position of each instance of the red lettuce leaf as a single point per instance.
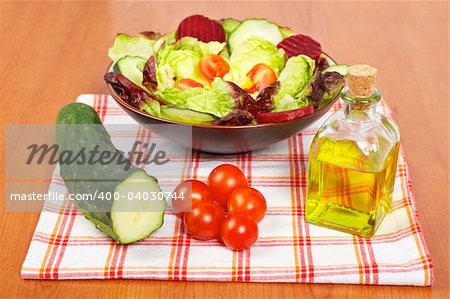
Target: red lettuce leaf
(325, 87)
(151, 34)
(321, 65)
(149, 74)
(246, 107)
(265, 97)
(243, 100)
(236, 118)
(128, 91)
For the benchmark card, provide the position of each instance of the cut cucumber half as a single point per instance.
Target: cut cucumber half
(120, 192)
(340, 68)
(254, 27)
(139, 210)
(186, 115)
(131, 67)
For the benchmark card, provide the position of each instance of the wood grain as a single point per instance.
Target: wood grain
(52, 52)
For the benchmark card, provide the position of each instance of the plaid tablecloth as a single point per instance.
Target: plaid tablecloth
(66, 246)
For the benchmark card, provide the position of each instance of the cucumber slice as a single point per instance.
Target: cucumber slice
(229, 25)
(133, 219)
(254, 27)
(131, 67)
(127, 45)
(340, 68)
(187, 115)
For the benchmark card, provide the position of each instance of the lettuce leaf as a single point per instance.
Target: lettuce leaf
(216, 99)
(180, 60)
(293, 80)
(127, 45)
(163, 40)
(251, 52)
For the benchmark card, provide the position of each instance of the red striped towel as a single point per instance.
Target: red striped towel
(66, 246)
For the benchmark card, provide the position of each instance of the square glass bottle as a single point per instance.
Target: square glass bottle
(352, 161)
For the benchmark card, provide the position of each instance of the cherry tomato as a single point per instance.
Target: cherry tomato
(204, 221)
(262, 76)
(213, 66)
(239, 231)
(189, 193)
(187, 83)
(223, 180)
(247, 201)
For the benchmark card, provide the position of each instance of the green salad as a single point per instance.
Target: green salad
(225, 72)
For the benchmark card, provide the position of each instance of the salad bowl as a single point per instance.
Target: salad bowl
(220, 139)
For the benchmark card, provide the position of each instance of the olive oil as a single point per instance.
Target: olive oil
(352, 165)
(347, 191)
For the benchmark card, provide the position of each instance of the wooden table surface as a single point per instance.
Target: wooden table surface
(52, 52)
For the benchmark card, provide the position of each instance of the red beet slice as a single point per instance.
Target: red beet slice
(278, 117)
(202, 28)
(301, 44)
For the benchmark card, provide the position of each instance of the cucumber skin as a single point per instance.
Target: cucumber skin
(79, 114)
(229, 25)
(340, 68)
(189, 117)
(231, 39)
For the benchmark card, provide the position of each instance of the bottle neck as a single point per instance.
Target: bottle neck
(360, 109)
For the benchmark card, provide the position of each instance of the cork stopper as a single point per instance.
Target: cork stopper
(361, 80)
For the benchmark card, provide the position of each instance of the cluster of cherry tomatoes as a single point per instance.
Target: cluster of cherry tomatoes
(226, 208)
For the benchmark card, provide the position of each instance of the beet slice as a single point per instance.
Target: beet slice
(282, 116)
(301, 44)
(202, 28)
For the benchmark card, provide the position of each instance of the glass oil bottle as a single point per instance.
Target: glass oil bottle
(352, 161)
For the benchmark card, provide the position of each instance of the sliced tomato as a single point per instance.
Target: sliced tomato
(213, 66)
(262, 76)
(188, 83)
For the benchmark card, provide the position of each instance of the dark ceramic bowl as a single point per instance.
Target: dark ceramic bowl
(223, 139)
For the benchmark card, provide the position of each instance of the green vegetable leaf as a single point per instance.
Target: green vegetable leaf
(191, 43)
(180, 60)
(293, 80)
(251, 52)
(215, 99)
(127, 45)
(152, 108)
(286, 32)
(163, 40)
